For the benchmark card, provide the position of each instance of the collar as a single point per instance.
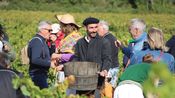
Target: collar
(38, 35)
(106, 34)
(86, 39)
(143, 36)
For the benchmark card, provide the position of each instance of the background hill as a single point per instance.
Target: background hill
(118, 6)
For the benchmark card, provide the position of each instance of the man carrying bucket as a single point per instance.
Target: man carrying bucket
(93, 48)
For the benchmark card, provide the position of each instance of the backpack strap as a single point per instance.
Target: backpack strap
(43, 53)
(159, 57)
(39, 39)
(10, 71)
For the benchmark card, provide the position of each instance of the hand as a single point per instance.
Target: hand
(103, 73)
(6, 48)
(60, 67)
(56, 56)
(53, 37)
(118, 44)
(53, 64)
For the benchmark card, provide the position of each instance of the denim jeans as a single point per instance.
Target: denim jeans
(40, 80)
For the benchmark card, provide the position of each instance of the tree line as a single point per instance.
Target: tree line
(90, 5)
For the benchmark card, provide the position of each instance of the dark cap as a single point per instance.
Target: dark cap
(90, 20)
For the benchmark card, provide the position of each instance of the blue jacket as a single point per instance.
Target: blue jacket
(166, 58)
(135, 46)
(39, 56)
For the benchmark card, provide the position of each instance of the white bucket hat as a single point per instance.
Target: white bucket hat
(55, 28)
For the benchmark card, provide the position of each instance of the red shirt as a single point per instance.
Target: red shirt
(57, 41)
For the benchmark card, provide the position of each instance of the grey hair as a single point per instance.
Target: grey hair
(104, 24)
(43, 24)
(138, 23)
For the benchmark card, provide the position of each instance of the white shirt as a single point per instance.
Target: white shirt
(1, 46)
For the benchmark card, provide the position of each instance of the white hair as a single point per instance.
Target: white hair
(138, 23)
(104, 24)
(43, 24)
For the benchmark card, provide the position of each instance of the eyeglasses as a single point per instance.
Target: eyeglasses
(49, 30)
(53, 34)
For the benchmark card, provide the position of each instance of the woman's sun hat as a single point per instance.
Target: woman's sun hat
(67, 19)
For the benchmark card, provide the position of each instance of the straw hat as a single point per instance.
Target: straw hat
(67, 19)
(55, 28)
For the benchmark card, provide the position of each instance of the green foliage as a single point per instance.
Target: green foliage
(57, 90)
(25, 91)
(22, 25)
(118, 6)
(160, 71)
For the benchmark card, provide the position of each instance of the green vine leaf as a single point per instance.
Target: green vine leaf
(25, 91)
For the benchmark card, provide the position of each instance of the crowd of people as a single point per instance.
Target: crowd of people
(57, 43)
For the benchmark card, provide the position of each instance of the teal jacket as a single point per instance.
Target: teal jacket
(135, 46)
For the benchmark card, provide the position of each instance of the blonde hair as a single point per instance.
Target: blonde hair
(156, 39)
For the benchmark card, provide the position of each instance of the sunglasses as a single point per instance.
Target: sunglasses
(49, 30)
(53, 34)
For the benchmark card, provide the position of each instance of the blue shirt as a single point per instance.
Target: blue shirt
(166, 58)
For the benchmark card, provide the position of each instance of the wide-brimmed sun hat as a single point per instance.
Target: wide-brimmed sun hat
(67, 19)
(55, 28)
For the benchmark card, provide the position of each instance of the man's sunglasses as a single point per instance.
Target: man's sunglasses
(49, 30)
